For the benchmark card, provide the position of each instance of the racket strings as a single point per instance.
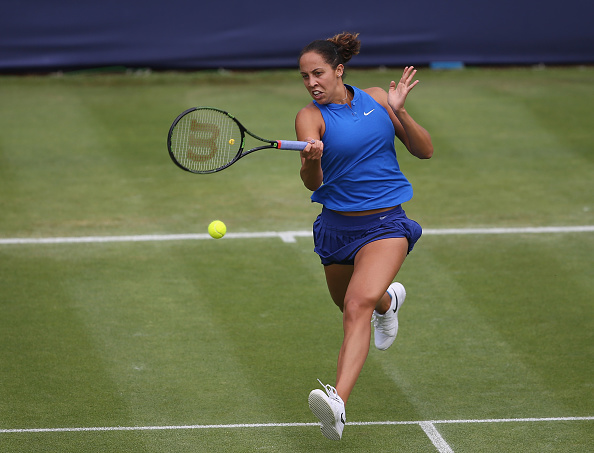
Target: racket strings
(205, 140)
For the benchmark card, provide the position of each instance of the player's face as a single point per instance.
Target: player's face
(323, 83)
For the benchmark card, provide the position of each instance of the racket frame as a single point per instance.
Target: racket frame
(269, 144)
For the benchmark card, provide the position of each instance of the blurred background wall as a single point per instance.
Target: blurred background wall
(40, 35)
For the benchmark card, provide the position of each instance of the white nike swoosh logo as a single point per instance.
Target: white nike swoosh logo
(367, 113)
(383, 217)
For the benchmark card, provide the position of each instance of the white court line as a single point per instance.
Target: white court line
(285, 236)
(433, 435)
(289, 425)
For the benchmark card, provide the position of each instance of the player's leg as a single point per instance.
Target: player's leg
(338, 277)
(376, 265)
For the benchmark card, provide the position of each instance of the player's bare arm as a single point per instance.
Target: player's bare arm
(416, 138)
(309, 127)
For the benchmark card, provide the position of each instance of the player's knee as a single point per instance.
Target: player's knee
(357, 308)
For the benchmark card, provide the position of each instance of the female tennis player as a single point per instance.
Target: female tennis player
(362, 234)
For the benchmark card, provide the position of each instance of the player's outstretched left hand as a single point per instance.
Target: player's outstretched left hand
(398, 92)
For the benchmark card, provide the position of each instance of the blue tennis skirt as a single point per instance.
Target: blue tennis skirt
(338, 238)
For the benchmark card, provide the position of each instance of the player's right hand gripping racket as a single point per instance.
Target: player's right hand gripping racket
(206, 140)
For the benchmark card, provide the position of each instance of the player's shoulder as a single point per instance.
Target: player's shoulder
(378, 94)
(309, 113)
(309, 122)
(308, 109)
(375, 90)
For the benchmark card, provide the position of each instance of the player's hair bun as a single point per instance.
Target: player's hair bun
(347, 44)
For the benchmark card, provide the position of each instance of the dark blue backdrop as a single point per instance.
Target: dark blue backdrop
(63, 34)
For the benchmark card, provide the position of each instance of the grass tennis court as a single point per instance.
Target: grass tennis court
(197, 345)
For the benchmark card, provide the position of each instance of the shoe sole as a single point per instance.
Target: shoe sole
(396, 287)
(318, 404)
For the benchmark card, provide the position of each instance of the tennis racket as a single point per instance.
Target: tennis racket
(206, 140)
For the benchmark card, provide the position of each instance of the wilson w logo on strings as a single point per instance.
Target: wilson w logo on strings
(202, 141)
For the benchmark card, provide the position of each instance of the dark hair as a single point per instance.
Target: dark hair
(336, 50)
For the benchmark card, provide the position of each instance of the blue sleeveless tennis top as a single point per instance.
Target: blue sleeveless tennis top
(359, 162)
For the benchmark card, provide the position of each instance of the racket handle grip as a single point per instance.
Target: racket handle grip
(289, 144)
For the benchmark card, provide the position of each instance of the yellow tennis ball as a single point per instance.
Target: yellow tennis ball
(232, 141)
(217, 229)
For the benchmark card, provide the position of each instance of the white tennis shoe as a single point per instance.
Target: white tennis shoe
(386, 325)
(329, 408)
